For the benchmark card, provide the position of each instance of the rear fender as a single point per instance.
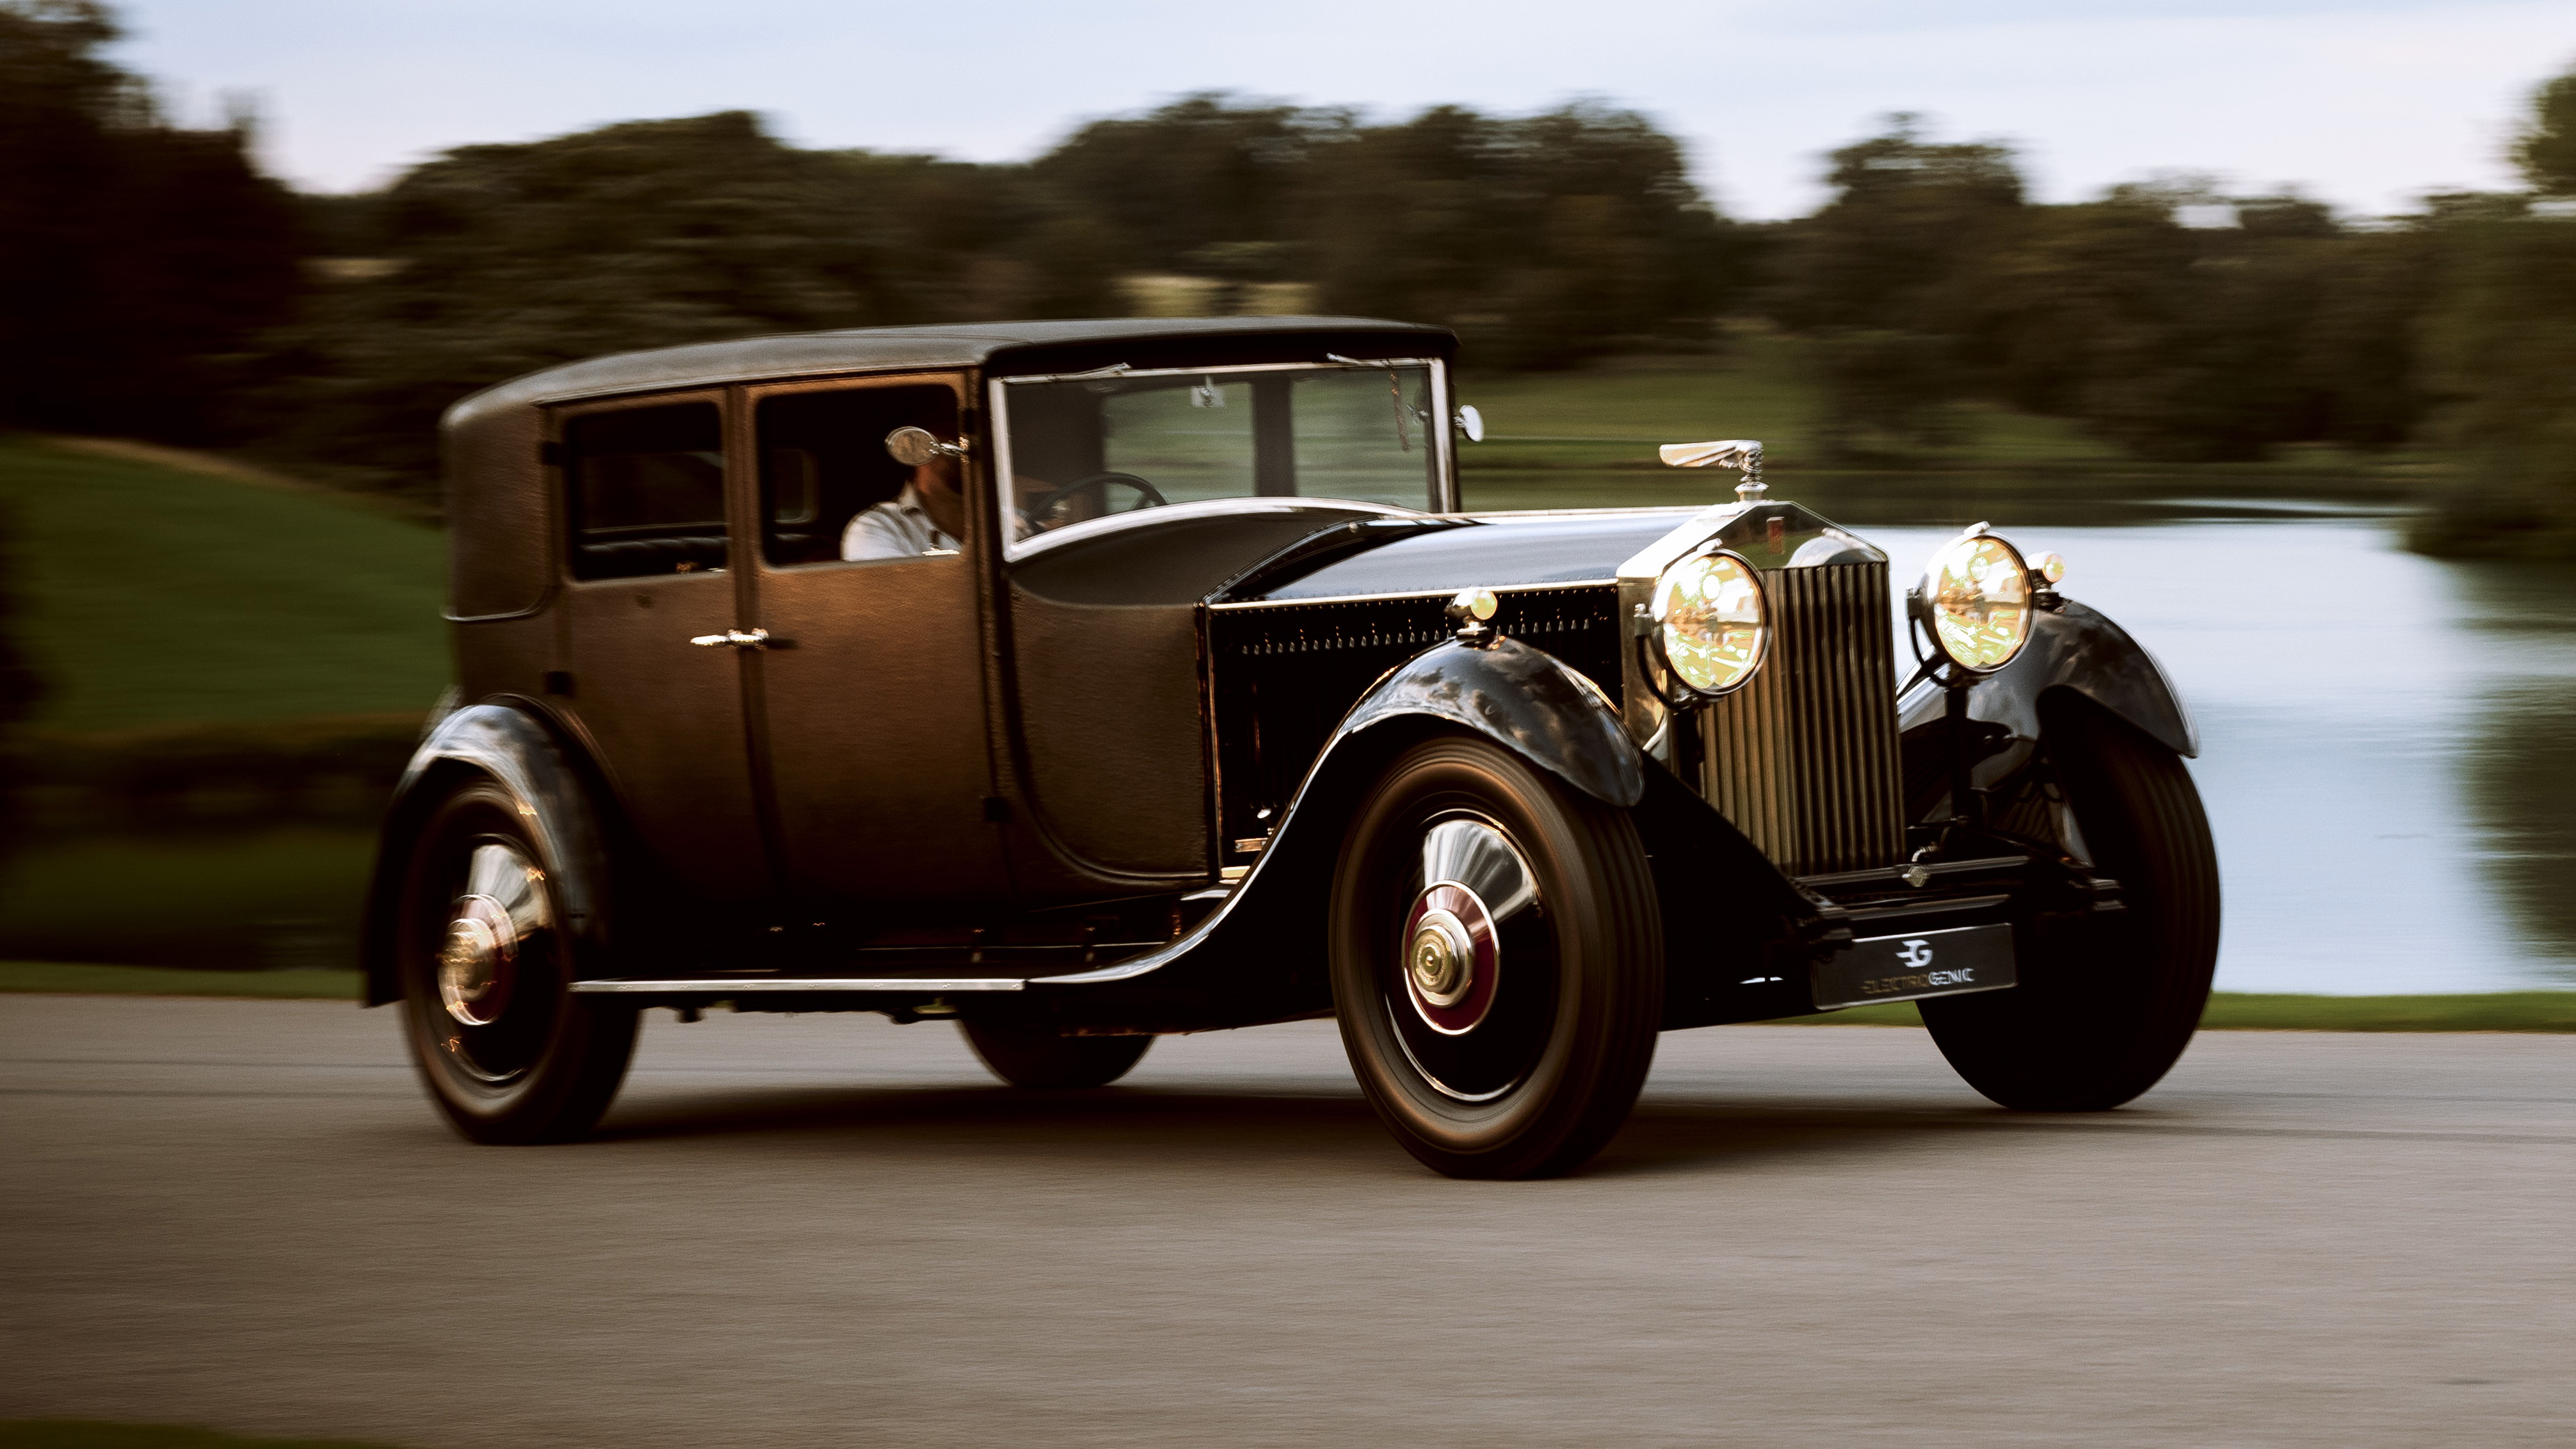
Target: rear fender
(513, 748)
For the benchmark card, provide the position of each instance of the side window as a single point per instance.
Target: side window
(645, 491)
(823, 463)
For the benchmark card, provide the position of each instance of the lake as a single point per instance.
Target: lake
(2388, 742)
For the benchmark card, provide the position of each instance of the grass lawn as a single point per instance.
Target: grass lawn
(285, 897)
(2549, 1011)
(1613, 415)
(80, 978)
(152, 594)
(86, 1434)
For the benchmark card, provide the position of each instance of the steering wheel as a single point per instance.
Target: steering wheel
(1086, 498)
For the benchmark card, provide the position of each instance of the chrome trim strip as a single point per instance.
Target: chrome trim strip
(1121, 372)
(1444, 440)
(1509, 515)
(1408, 594)
(1196, 508)
(762, 985)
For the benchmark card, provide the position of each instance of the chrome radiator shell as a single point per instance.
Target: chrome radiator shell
(1802, 758)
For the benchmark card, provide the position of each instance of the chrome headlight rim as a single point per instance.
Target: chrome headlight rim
(1927, 604)
(1677, 684)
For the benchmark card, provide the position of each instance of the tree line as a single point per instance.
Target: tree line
(162, 287)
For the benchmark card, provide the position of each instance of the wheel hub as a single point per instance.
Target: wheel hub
(476, 961)
(1451, 958)
(1441, 958)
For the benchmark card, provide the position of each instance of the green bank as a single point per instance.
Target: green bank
(2544, 1011)
(151, 595)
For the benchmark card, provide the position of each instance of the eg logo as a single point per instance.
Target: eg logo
(1917, 954)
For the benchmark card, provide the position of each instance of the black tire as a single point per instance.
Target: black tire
(1513, 1046)
(507, 1052)
(1032, 1054)
(2107, 1002)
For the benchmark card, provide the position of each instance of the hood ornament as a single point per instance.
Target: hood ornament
(1744, 453)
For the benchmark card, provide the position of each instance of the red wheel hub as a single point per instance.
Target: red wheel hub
(1451, 958)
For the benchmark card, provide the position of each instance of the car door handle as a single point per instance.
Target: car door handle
(734, 638)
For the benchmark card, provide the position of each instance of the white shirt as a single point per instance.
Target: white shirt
(900, 529)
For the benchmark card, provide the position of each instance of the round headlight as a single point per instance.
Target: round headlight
(1976, 599)
(1709, 621)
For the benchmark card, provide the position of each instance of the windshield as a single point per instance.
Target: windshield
(1076, 450)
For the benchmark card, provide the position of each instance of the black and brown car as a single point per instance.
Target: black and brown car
(1085, 681)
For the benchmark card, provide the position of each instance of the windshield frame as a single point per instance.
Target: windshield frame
(1441, 429)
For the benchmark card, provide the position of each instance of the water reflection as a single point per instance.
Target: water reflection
(2389, 742)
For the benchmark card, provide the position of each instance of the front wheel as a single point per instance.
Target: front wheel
(2107, 1002)
(505, 1048)
(1497, 962)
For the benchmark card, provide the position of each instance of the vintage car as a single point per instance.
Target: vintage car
(1086, 681)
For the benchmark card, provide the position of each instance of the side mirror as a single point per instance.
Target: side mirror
(913, 447)
(1472, 423)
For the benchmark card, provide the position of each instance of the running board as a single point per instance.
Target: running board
(767, 985)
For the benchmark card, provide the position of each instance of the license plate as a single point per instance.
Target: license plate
(1909, 968)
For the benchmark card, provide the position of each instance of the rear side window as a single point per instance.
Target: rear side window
(646, 491)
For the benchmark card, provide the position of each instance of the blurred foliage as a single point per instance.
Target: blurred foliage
(497, 260)
(1548, 239)
(161, 288)
(2502, 351)
(222, 899)
(1930, 278)
(1545, 241)
(20, 689)
(2546, 149)
(139, 258)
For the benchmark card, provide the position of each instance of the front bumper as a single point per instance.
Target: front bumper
(1947, 928)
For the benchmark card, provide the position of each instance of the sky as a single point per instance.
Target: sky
(2365, 104)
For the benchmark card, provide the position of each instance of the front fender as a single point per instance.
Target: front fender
(2079, 649)
(1524, 699)
(516, 750)
(1258, 956)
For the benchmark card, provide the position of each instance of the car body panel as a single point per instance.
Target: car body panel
(1500, 552)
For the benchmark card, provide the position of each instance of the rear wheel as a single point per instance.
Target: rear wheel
(1497, 962)
(2107, 1002)
(505, 1048)
(1027, 1054)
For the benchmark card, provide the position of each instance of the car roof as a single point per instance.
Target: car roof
(865, 348)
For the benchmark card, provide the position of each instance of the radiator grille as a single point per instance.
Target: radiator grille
(1803, 759)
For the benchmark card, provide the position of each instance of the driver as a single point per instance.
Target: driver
(927, 517)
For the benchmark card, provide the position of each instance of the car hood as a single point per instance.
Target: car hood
(1498, 551)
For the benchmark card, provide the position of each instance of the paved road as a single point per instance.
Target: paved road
(832, 1231)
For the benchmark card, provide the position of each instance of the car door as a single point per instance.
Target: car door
(651, 567)
(872, 686)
